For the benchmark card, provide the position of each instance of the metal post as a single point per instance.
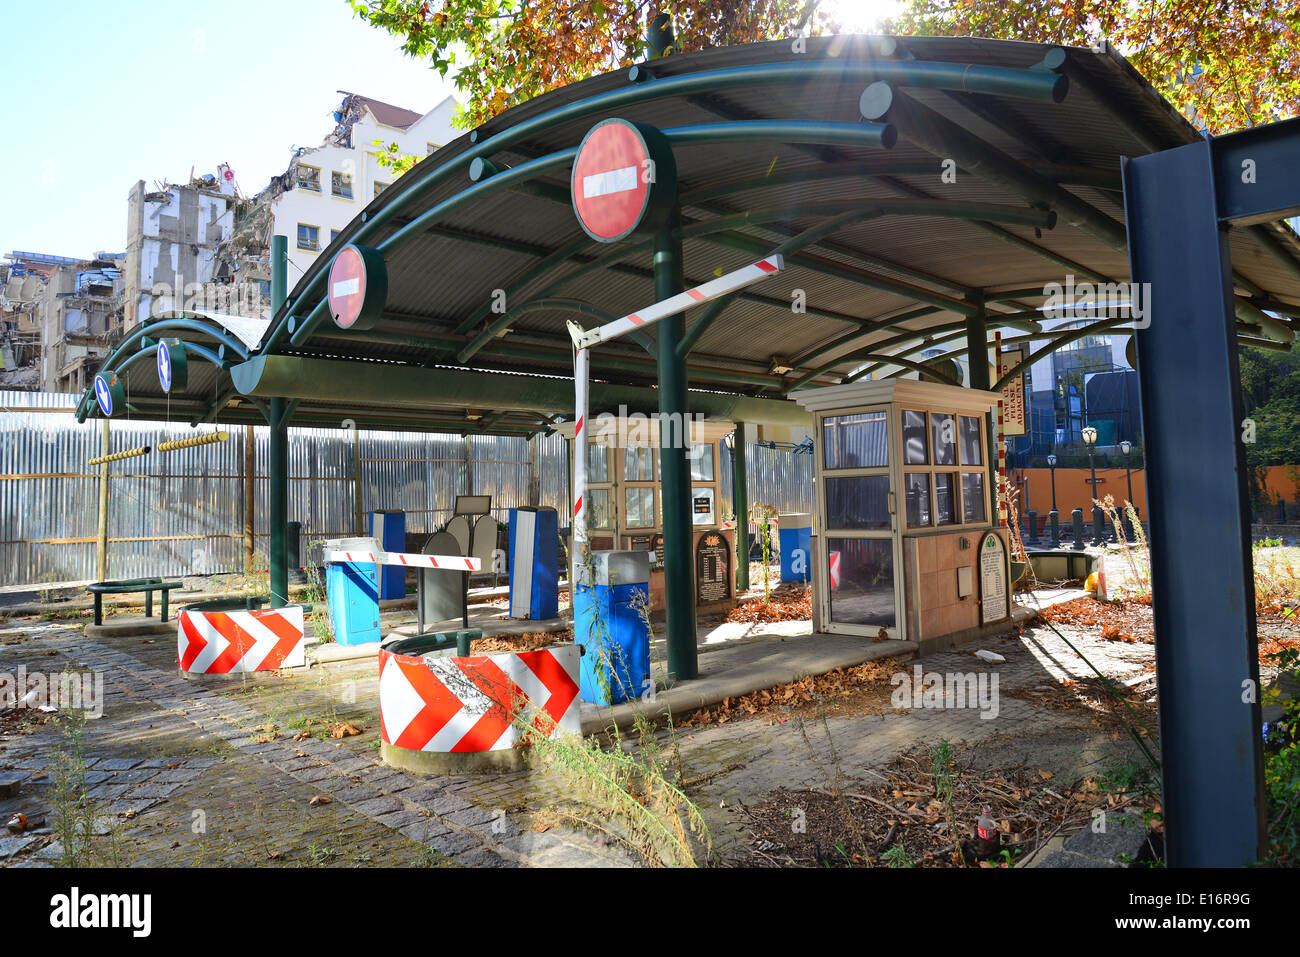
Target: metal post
(101, 541)
(578, 534)
(1097, 533)
(1054, 516)
(278, 460)
(740, 504)
(674, 477)
(1207, 653)
(250, 496)
(359, 507)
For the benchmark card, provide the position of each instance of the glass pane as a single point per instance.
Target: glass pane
(970, 441)
(597, 463)
(598, 514)
(915, 451)
(639, 465)
(972, 496)
(861, 574)
(640, 507)
(945, 498)
(858, 441)
(701, 459)
(944, 438)
(702, 510)
(918, 499)
(858, 502)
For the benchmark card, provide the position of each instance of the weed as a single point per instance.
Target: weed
(76, 816)
(897, 856)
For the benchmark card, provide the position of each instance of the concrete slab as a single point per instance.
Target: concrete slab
(739, 669)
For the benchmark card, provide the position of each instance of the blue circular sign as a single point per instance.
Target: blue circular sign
(104, 395)
(164, 366)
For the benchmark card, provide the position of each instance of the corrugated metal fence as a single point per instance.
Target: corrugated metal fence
(182, 513)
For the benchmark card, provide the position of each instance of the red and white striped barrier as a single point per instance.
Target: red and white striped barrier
(455, 562)
(835, 569)
(460, 705)
(232, 642)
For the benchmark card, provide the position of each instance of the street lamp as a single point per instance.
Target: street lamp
(1126, 447)
(1054, 517)
(1090, 440)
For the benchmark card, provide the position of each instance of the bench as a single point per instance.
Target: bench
(130, 586)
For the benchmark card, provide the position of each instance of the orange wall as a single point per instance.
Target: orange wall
(1072, 490)
(1282, 482)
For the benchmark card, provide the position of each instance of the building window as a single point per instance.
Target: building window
(308, 237)
(341, 184)
(943, 481)
(309, 178)
(380, 187)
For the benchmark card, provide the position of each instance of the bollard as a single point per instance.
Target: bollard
(1098, 526)
(1076, 518)
(1033, 526)
(1054, 518)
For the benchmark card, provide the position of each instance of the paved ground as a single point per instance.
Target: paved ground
(193, 774)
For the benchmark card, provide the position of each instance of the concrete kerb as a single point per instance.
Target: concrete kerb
(811, 655)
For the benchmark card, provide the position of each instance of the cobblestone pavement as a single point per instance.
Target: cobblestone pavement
(189, 773)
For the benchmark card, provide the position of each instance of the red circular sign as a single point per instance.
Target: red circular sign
(612, 180)
(347, 286)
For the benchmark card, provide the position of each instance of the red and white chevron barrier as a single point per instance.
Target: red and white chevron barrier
(231, 642)
(456, 562)
(458, 705)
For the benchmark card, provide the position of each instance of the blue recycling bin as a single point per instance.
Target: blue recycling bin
(615, 639)
(795, 537)
(534, 563)
(352, 592)
(388, 527)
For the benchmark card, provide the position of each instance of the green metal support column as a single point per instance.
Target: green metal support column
(977, 358)
(278, 465)
(674, 476)
(740, 498)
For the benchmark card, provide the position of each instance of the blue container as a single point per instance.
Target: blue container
(794, 536)
(534, 563)
(353, 594)
(388, 527)
(615, 662)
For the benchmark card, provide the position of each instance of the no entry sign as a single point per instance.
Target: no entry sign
(624, 180)
(358, 287)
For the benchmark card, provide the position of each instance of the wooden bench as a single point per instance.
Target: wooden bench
(129, 586)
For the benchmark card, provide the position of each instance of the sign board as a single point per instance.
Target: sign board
(109, 393)
(703, 505)
(173, 365)
(1013, 394)
(712, 568)
(358, 287)
(994, 573)
(657, 550)
(624, 180)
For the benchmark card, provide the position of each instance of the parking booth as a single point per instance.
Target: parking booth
(624, 511)
(905, 527)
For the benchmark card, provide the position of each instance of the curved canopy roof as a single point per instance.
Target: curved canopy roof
(984, 170)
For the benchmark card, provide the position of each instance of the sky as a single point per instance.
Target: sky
(100, 95)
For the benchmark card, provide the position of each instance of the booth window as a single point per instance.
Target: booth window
(939, 489)
(701, 459)
(702, 505)
(640, 507)
(858, 502)
(639, 464)
(859, 440)
(599, 490)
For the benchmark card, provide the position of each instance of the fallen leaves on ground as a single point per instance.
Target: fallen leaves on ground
(533, 641)
(320, 799)
(343, 729)
(1128, 620)
(868, 684)
(788, 603)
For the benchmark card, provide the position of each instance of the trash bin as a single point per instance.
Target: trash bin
(534, 566)
(615, 664)
(352, 590)
(795, 537)
(388, 527)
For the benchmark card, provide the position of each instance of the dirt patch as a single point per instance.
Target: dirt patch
(533, 641)
(914, 817)
(792, 602)
(845, 692)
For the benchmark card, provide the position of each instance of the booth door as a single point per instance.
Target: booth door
(859, 588)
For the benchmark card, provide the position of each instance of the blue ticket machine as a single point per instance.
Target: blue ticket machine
(610, 602)
(795, 538)
(388, 527)
(352, 591)
(534, 563)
